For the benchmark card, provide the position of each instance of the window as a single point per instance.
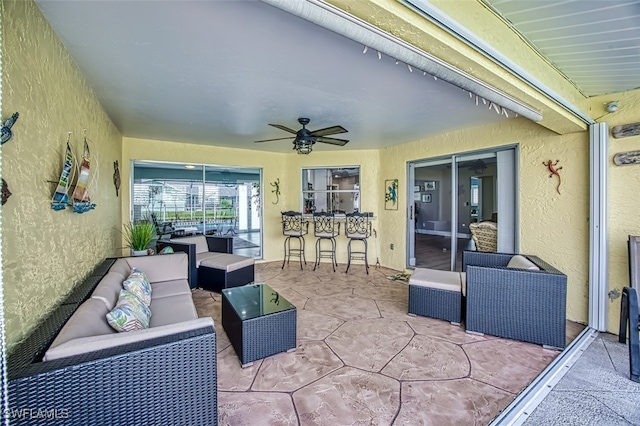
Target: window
(196, 199)
(335, 190)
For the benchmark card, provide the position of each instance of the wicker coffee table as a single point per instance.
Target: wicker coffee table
(258, 321)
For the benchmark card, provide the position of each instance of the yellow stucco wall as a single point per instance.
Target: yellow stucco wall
(45, 253)
(624, 203)
(552, 226)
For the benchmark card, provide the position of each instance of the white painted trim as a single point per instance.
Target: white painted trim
(436, 16)
(598, 229)
(526, 402)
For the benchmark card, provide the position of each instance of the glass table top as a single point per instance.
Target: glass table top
(256, 300)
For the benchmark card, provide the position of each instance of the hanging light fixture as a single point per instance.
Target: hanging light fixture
(304, 145)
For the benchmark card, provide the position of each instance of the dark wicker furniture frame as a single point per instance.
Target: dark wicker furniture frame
(629, 315)
(435, 303)
(260, 337)
(168, 380)
(211, 278)
(517, 304)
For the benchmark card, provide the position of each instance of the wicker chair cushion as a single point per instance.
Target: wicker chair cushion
(295, 233)
(333, 234)
(200, 241)
(227, 262)
(521, 262)
(433, 278)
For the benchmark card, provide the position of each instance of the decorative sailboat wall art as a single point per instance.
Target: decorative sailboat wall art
(81, 197)
(61, 197)
(80, 201)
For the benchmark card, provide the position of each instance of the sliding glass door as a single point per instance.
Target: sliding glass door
(201, 199)
(448, 195)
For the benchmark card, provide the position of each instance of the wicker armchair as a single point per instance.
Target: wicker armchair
(519, 304)
(485, 236)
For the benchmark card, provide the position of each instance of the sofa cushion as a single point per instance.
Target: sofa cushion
(170, 288)
(138, 284)
(162, 268)
(88, 344)
(130, 313)
(227, 262)
(433, 278)
(172, 309)
(199, 240)
(121, 267)
(88, 320)
(108, 289)
(521, 262)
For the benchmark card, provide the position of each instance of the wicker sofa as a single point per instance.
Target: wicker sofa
(212, 264)
(520, 304)
(73, 370)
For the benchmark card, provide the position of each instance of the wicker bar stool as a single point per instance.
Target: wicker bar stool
(294, 226)
(325, 227)
(358, 228)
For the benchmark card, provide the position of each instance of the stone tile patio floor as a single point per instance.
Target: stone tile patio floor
(361, 359)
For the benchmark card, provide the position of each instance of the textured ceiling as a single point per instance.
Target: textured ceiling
(218, 72)
(595, 43)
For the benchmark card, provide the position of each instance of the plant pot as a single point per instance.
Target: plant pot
(138, 252)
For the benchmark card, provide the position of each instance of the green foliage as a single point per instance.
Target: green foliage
(139, 235)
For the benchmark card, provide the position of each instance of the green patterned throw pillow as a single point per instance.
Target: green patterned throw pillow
(130, 313)
(138, 284)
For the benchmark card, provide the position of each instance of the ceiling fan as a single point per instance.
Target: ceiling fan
(304, 138)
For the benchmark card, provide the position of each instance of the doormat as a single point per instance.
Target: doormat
(400, 277)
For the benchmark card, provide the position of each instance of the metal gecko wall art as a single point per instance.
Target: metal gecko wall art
(276, 185)
(552, 167)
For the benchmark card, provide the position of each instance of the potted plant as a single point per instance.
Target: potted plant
(138, 236)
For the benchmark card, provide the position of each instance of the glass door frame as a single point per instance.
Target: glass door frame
(509, 225)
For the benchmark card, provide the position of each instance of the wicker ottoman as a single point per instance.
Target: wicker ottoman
(436, 294)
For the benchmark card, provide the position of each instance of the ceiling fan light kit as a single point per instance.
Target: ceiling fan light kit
(304, 139)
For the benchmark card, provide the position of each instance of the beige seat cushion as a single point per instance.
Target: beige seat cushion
(521, 262)
(169, 288)
(108, 289)
(199, 240)
(295, 233)
(162, 267)
(433, 278)
(172, 310)
(88, 344)
(88, 320)
(227, 262)
(201, 257)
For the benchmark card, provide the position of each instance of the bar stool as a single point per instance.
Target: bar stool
(294, 226)
(358, 228)
(325, 227)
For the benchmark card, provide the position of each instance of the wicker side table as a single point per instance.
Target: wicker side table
(258, 321)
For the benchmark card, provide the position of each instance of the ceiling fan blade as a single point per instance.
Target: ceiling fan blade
(332, 141)
(329, 131)
(281, 127)
(270, 140)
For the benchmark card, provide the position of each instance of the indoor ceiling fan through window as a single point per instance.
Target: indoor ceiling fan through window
(304, 139)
